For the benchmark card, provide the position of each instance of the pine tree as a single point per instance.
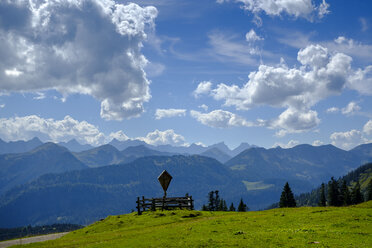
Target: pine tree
(345, 198)
(224, 206)
(333, 193)
(204, 208)
(287, 198)
(356, 195)
(216, 201)
(242, 206)
(220, 205)
(322, 200)
(211, 201)
(232, 208)
(369, 191)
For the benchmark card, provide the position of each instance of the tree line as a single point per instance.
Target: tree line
(216, 203)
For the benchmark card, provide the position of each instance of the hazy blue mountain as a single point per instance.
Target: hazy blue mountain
(121, 145)
(19, 146)
(88, 195)
(313, 164)
(100, 156)
(222, 147)
(242, 147)
(74, 146)
(364, 150)
(19, 168)
(133, 152)
(216, 154)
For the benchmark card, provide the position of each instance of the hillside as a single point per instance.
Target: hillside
(100, 156)
(312, 164)
(87, 195)
(298, 227)
(19, 146)
(363, 174)
(20, 168)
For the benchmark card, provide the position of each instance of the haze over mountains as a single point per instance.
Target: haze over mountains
(51, 184)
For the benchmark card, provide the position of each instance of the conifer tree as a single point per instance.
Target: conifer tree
(217, 201)
(232, 208)
(204, 208)
(369, 191)
(333, 193)
(322, 200)
(242, 207)
(345, 198)
(287, 198)
(356, 195)
(224, 206)
(211, 201)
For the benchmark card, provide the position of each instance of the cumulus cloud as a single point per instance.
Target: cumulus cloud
(318, 143)
(164, 138)
(321, 75)
(203, 88)
(332, 110)
(167, 113)
(204, 107)
(251, 36)
(2, 106)
(119, 135)
(297, 8)
(347, 140)
(351, 108)
(294, 121)
(361, 81)
(368, 127)
(220, 119)
(290, 144)
(83, 46)
(28, 127)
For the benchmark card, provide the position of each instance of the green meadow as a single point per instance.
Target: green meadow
(289, 227)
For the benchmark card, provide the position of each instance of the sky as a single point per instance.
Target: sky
(265, 72)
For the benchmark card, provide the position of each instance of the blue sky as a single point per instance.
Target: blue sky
(179, 72)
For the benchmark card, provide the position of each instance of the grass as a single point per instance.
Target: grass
(291, 227)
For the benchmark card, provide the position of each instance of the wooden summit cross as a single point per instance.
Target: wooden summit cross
(164, 179)
(164, 203)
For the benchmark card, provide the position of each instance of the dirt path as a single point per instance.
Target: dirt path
(41, 238)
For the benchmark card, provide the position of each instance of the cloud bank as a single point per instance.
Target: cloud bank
(77, 46)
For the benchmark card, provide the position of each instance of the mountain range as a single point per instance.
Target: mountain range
(51, 184)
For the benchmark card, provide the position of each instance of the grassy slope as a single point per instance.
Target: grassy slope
(298, 227)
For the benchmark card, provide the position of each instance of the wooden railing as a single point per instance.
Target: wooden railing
(152, 204)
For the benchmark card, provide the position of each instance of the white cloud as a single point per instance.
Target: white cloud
(297, 89)
(119, 135)
(290, 144)
(40, 96)
(226, 47)
(364, 24)
(28, 127)
(332, 110)
(204, 107)
(203, 88)
(318, 143)
(351, 108)
(297, 8)
(83, 46)
(368, 127)
(164, 138)
(361, 81)
(2, 105)
(251, 36)
(347, 140)
(294, 121)
(220, 119)
(167, 113)
(13, 72)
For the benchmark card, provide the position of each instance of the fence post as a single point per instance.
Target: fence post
(153, 205)
(143, 204)
(138, 206)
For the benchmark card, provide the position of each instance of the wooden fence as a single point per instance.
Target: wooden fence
(152, 204)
